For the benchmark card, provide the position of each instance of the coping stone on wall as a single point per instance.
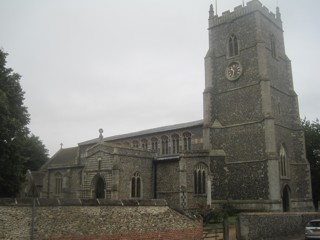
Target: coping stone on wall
(80, 202)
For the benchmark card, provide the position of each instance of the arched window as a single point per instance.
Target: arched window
(273, 46)
(233, 46)
(187, 141)
(154, 144)
(164, 145)
(283, 163)
(136, 185)
(200, 178)
(58, 181)
(144, 144)
(135, 144)
(175, 143)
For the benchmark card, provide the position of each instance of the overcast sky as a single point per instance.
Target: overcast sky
(126, 66)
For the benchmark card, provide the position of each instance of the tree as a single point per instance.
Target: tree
(35, 153)
(17, 148)
(312, 138)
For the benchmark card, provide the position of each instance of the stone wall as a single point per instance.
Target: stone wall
(252, 226)
(95, 219)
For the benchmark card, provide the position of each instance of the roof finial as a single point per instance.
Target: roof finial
(61, 145)
(211, 12)
(278, 14)
(100, 135)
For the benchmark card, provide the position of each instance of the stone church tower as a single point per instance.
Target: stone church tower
(251, 117)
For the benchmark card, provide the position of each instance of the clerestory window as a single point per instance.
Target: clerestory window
(144, 144)
(187, 141)
(175, 143)
(135, 144)
(154, 144)
(164, 145)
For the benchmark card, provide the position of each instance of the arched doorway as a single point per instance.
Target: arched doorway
(100, 186)
(286, 199)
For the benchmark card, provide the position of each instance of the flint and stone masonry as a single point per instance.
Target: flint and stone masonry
(248, 150)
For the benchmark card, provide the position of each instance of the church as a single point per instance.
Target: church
(248, 150)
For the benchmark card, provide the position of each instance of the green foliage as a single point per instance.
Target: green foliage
(17, 148)
(312, 138)
(215, 215)
(35, 153)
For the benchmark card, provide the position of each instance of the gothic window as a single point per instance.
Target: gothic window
(58, 181)
(135, 144)
(200, 175)
(154, 144)
(187, 141)
(144, 144)
(283, 163)
(136, 185)
(175, 143)
(273, 47)
(233, 46)
(164, 145)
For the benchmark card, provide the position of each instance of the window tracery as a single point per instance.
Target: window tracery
(136, 185)
(200, 175)
(175, 143)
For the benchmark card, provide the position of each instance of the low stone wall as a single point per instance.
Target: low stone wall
(253, 226)
(95, 219)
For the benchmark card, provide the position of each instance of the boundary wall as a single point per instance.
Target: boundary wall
(90, 219)
(253, 226)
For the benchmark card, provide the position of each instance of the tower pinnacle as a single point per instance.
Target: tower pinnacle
(211, 12)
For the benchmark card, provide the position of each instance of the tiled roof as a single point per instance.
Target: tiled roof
(64, 157)
(146, 132)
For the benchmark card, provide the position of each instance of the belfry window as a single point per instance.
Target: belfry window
(284, 173)
(136, 185)
(187, 141)
(58, 181)
(175, 143)
(200, 175)
(164, 145)
(233, 46)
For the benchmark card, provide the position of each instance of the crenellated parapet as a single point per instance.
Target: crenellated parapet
(239, 11)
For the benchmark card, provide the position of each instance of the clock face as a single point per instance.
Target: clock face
(233, 71)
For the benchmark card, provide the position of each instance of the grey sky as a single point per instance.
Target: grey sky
(127, 65)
